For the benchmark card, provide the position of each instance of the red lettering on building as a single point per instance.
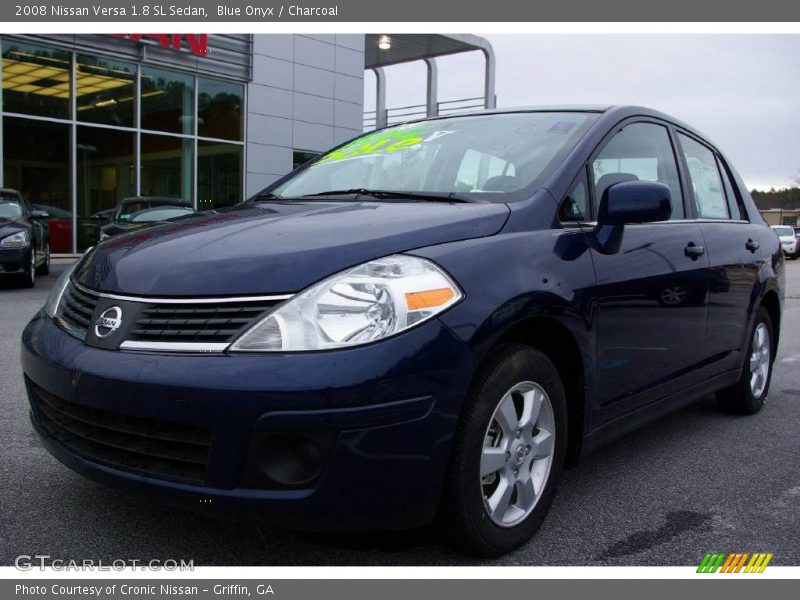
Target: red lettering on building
(196, 42)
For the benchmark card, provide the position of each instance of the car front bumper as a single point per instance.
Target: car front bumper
(14, 260)
(390, 410)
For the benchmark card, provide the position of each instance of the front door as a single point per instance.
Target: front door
(651, 296)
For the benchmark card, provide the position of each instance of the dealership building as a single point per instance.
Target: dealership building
(88, 120)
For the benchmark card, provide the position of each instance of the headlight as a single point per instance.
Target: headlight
(18, 240)
(373, 301)
(54, 297)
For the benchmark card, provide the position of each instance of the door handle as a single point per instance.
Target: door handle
(752, 246)
(694, 251)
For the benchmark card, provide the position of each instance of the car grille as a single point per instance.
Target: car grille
(76, 309)
(196, 323)
(151, 447)
(217, 321)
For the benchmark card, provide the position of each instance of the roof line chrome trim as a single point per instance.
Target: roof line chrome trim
(202, 347)
(219, 300)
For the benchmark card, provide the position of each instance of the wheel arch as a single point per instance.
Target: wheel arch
(771, 302)
(557, 342)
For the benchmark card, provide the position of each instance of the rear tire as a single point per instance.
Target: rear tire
(508, 453)
(749, 395)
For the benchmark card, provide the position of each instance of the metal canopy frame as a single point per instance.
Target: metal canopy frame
(426, 47)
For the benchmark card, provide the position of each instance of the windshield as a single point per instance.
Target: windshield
(127, 210)
(498, 153)
(161, 213)
(784, 231)
(10, 208)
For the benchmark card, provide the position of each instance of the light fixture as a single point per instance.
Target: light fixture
(384, 42)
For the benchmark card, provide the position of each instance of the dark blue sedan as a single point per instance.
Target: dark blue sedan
(431, 320)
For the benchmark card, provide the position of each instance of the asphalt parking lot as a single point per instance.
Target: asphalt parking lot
(696, 481)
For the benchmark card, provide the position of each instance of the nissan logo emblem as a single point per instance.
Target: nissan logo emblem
(108, 322)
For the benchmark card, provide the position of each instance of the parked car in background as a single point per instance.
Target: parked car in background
(788, 238)
(433, 319)
(24, 238)
(134, 213)
(60, 223)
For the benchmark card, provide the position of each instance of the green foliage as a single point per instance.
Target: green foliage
(788, 198)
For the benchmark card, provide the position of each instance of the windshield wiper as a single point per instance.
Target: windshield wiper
(395, 195)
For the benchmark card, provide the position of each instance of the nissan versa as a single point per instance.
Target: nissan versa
(429, 321)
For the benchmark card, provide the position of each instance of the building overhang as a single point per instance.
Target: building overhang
(409, 47)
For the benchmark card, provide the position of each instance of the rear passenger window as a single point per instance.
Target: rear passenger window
(733, 199)
(709, 192)
(640, 152)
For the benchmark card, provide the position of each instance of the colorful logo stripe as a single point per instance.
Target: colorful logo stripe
(735, 562)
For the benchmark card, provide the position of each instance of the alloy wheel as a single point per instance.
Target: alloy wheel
(32, 270)
(673, 295)
(760, 360)
(517, 453)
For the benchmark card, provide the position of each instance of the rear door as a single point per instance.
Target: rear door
(650, 298)
(734, 248)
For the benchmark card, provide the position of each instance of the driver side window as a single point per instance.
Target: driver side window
(639, 152)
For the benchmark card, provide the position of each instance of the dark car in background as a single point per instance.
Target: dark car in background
(24, 238)
(432, 319)
(133, 213)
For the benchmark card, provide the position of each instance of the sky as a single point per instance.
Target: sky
(741, 91)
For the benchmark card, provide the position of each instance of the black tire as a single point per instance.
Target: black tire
(463, 512)
(739, 398)
(44, 268)
(28, 278)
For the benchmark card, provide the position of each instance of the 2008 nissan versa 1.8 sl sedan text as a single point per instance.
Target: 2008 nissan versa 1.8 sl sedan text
(432, 320)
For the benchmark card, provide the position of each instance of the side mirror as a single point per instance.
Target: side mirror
(629, 202)
(102, 219)
(635, 202)
(39, 214)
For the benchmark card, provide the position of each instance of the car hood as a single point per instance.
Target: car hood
(276, 247)
(11, 226)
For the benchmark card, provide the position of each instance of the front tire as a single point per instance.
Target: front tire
(749, 395)
(508, 453)
(29, 272)
(44, 268)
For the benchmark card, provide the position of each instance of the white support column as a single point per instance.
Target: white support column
(433, 88)
(490, 100)
(380, 97)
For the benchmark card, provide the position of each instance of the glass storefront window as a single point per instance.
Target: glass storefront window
(219, 109)
(35, 80)
(166, 167)
(105, 91)
(44, 142)
(36, 162)
(167, 101)
(219, 175)
(104, 165)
